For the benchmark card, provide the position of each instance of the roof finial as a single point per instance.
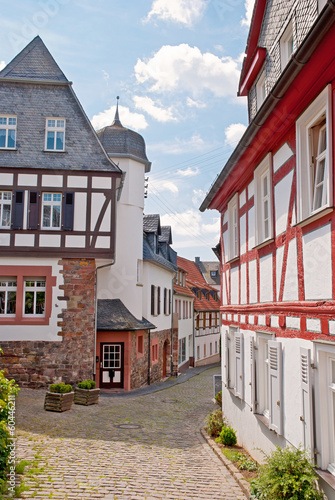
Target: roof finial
(116, 118)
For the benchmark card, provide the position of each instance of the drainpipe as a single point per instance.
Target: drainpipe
(96, 315)
(149, 358)
(194, 318)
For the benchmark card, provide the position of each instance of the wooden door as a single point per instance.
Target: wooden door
(111, 365)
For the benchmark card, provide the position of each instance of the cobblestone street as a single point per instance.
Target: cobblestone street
(88, 452)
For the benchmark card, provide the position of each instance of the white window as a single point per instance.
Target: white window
(314, 157)
(34, 296)
(261, 90)
(51, 210)
(229, 359)
(5, 209)
(263, 201)
(55, 134)
(8, 287)
(286, 45)
(233, 228)
(8, 132)
(182, 350)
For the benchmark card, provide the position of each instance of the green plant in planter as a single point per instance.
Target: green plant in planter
(227, 436)
(86, 384)
(215, 422)
(60, 388)
(218, 399)
(287, 473)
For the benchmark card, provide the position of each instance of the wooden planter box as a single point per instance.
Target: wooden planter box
(86, 397)
(58, 402)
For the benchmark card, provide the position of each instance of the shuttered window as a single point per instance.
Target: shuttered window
(152, 300)
(68, 211)
(275, 387)
(239, 368)
(306, 393)
(253, 375)
(33, 210)
(18, 209)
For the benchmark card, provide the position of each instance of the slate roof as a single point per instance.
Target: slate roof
(112, 315)
(151, 223)
(121, 142)
(206, 267)
(158, 258)
(166, 235)
(34, 62)
(33, 88)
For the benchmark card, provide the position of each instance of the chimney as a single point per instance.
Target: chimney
(197, 260)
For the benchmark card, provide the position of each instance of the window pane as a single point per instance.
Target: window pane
(265, 186)
(11, 139)
(2, 138)
(50, 140)
(11, 303)
(322, 141)
(3, 120)
(6, 196)
(60, 140)
(51, 123)
(320, 171)
(11, 121)
(40, 302)
(29, 303)
(5, 219)
(46, 216)
(60, 123)
(47, 196)
(2, 302)
(57, 197)
(56, 216)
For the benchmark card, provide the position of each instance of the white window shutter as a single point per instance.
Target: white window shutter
(239, 378)
(253, 374)
(276, 386)
(226, 360)
(306, 390)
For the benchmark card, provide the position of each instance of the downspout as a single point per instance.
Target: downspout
(194, 318)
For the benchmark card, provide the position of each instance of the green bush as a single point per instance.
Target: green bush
(8, 388)
(60, 388)
(215, 422)
(287, 473)
(245, 463)
(227, 436)
(87, 384)
(218, 399)
(4, 450)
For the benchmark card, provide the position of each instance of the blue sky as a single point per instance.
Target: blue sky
(175, 65)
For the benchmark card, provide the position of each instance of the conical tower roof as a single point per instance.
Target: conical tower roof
(121, 142)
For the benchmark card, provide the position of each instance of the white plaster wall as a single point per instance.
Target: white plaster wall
(291, 289)
(224, 289)
(206, 340)
(253, 281)
(37, 332)
(279, 267)
(235, 285)
(282, 200)
(281, 156)
(243, 283)
(317, 263)
(133, 188)
(225, 245)
(156, 275)
(80, 204)
(266, 279)
(251, 228)
(185, 326)
(243, 234)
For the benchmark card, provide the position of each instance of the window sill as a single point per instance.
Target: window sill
(139, 284)
(315, 217)
(326, 476)
(8, 149)
(232, 260)
(53, 151)
(263, 243)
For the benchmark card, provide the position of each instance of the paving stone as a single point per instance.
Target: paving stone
(86, 455)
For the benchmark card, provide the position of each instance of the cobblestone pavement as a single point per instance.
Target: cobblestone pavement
(84, 454)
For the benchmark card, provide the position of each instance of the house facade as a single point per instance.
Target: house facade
(206, 314)
(184, 313)
(275, 196)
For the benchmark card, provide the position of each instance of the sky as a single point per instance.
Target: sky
(175, 65)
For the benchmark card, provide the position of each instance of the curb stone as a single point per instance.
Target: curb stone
(230, 466)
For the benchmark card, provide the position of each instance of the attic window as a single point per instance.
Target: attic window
(286, 45)
(55, 134)
(214, 274)
(7, 132)
(261, 90)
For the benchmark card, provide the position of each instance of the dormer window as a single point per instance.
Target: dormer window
(261, 90)
(214, 274)
(286, 45)
(55, 134)
(7, 132)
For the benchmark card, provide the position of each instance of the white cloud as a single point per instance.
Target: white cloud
(188, 172)
(249, 7)
(214, 227)
(198, 197)
(191, 103)
(2, 65)
(186, 12)
(190, 219)
(158, 113)
(195, 143)
(234, 133)
(181, 67)
(159, 186)
(135, 121)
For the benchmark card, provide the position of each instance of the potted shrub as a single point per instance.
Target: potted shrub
(59, 397)
(86, 394)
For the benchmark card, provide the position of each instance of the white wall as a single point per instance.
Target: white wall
(158, 276)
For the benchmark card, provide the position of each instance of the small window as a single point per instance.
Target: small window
(263, 201)
(182, 350)
(34, 296)
(55, 134)
(286, 45)
(261, 90)
(233, 228)
(140, 345)
(198, 352)
(51, 210)
(5, 209)
(8, 132)
(154, 352)
(214, 274)
(8, 287)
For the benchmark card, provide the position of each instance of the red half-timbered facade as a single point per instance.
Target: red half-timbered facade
(275, 196)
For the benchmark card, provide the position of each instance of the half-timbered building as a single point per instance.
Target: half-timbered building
(275, 196)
